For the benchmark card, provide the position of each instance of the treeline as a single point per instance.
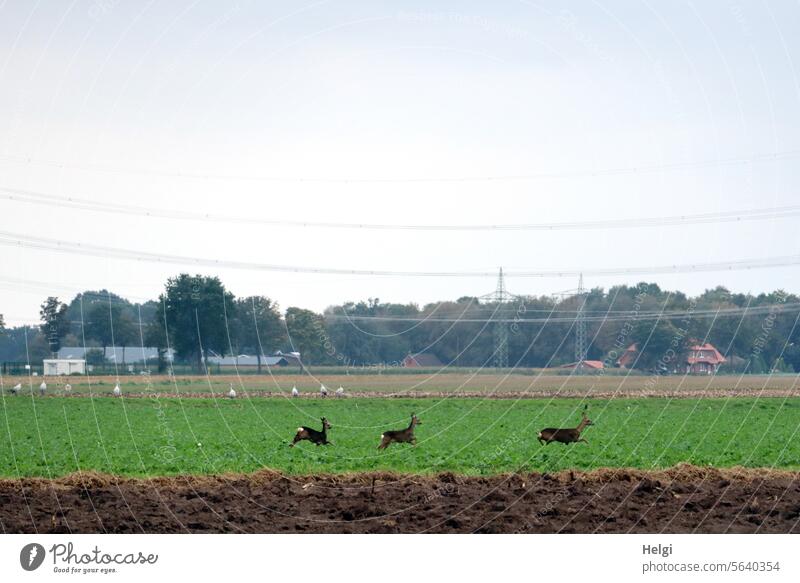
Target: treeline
(197, 317)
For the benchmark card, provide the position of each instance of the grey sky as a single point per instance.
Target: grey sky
(112, 101)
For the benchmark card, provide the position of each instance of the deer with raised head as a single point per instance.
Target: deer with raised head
(546, 436)
(400, 435)
(312, 435)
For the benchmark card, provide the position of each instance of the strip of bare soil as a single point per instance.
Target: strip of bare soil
(681, 499)
(534, 394)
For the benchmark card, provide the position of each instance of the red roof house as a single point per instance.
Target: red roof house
(584, 365)
(700, 359)
(703, 359)
(422, 360)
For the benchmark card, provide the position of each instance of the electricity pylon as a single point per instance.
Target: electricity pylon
(500, 327)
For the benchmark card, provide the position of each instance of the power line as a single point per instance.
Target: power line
(743, 215)
(474, 312)
(644, 169)
(631, 315)
(87, 249)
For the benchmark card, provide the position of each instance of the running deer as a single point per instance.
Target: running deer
(400, 435)
(312, 435)
(566, 435)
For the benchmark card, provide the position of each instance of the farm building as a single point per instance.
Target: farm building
(421, 360)
(118, 354)
(699, 359)
(292, 358)
(63, 366)
(703, 359)
(247, 362)
(584, 365)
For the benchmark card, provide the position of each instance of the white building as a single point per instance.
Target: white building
(63, 366)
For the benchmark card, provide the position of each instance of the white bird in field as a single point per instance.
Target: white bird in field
(323, 391)
(340, 392)
(16, 388)
(68, 388)
(295, 392)
(231, 393)
(42, 388)
(117, 390)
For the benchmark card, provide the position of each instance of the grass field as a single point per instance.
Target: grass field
(51, 436)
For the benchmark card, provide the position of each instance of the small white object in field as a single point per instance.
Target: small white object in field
(68, 388)
(340, 392)
(117, 390)
(42, 388)
(295, 392)
(16, 388)
(323, 391)
(199, 444)
(232, 393)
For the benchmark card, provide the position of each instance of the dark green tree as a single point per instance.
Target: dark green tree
(258, 326)
(55, 324)
(196, 312)
(306, 334)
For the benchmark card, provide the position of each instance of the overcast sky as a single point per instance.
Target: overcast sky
(188, 106)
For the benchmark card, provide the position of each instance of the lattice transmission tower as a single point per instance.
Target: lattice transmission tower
(581, 346)
(581, 336)
(501, 321)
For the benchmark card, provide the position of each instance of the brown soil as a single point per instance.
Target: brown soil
(541, 394)
(449, 384)
(681, 499)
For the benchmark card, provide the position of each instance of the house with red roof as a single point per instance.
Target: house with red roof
(584, 365)
(422, 360)
(703, 359)
(699, 359)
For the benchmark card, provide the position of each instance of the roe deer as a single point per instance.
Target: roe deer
(565, 435)
(312, 435)
(400, 435)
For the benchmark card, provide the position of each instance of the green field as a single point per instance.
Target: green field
(53, 436)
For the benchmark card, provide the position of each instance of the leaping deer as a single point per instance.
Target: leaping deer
(312, 435)
(400, 435)
(546, 436)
